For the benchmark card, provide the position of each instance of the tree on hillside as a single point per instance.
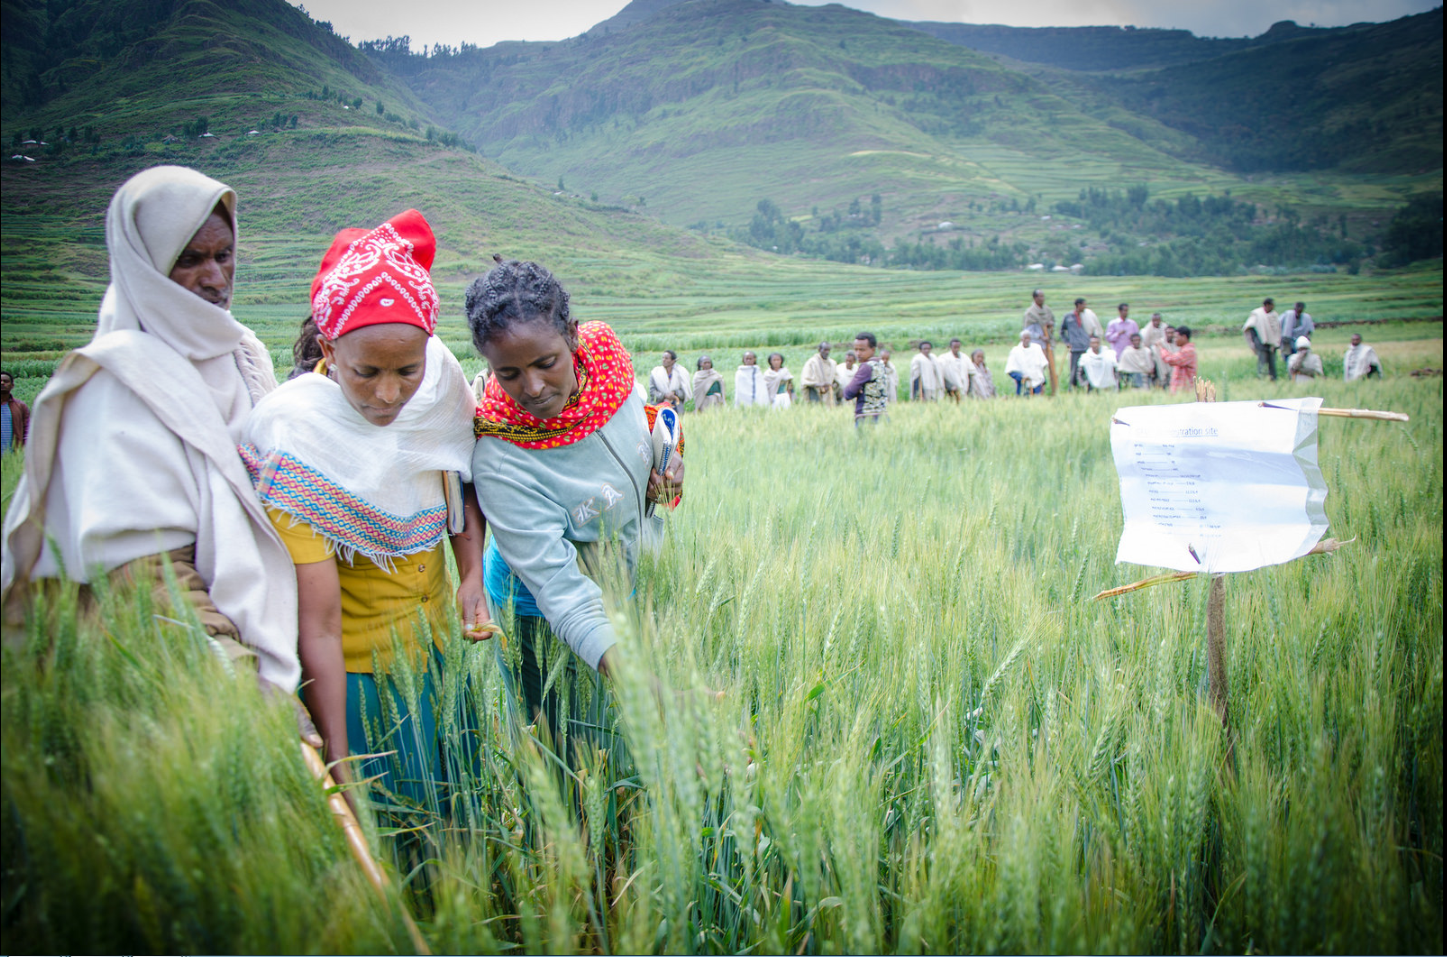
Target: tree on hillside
(1416, 231)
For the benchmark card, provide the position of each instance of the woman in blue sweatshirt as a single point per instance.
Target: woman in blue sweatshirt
(564, 471)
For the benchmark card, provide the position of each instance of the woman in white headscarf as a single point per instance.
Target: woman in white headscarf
(133, 456)
(708, 386)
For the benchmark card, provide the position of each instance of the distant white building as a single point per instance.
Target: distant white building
(1060, 269)
(1078, 268)
(1036, 267)
(946, 225)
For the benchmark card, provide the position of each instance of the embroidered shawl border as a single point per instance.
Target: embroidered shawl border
(286, 483)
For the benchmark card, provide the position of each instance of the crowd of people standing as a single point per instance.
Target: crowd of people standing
(1121, 354)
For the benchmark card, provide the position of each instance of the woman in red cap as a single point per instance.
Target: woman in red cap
(361, 463)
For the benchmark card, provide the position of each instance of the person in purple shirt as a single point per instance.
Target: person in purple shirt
(868, 387)
(1121, 328)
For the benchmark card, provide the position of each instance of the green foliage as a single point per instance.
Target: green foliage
(151, 800)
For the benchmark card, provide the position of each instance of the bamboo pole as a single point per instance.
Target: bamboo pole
(1355, 413)
(357, 840)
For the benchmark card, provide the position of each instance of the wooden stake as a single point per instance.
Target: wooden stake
(357, 840)
(1216, 649)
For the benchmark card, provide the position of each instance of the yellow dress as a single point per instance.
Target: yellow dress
(375, 600)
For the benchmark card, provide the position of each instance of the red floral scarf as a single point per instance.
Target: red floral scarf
(605, 381)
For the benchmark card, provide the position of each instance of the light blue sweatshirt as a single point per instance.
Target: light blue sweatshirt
(563, 520)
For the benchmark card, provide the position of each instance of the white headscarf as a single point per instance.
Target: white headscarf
(150, 220)
(144, 463)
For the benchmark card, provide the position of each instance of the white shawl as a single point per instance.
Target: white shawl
(662, 382)
(127, 458)
(925, 379)
(371, 489)
(750, 387)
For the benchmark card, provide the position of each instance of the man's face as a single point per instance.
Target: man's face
(863, 350)
(1025, 340)
(1039, 299)
(849, 360)
(1156, 321)
(208, 263)
(1125, 312)
(1135, 342)
(7, 383)
(1356, 341)
(1268, 305)
(955, 346)
(823, 351)
(750, 359)
(1170, 333)
(1300, 308)
(668, 361)
(1095, 343)
(925, 348)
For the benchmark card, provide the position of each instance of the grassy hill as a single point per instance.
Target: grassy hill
(338, 165)
(1102, 49)
(701, 109)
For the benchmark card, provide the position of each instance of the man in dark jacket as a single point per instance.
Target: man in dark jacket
(1076, 338)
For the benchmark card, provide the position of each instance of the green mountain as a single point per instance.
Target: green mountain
(704, 107)
(1365, 98)
(311, 134)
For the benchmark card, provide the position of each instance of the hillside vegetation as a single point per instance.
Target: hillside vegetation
(711, 112)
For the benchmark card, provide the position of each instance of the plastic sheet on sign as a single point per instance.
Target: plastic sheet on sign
(1219, 486)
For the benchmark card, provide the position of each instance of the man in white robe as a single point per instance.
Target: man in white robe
(820, 373)
(749, 386)
(668, 385)
(132, 462)
(1263, 330)
(844, 373)
(1027, 365)
(1136, 362)
(1360, 361)
(1100, 366)
(926, 381)
(953, 367)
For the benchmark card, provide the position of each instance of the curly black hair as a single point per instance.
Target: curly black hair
(513, 293)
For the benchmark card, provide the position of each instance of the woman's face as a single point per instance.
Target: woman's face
(533, 362)
(776, 361)
(706, 365)
(379, 368)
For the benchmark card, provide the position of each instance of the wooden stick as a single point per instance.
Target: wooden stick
(357, 840)
(1354, 413)
(1216, 648)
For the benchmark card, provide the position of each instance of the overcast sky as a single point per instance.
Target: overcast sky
(485, 22)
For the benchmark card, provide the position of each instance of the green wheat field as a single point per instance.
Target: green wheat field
(930, 739)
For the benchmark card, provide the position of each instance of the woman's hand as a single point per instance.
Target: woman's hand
(472, 605)
(668, 486)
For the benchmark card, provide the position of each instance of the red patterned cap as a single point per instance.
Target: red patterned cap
(370, 278)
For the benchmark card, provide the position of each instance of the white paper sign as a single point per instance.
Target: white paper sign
(1219, 486)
